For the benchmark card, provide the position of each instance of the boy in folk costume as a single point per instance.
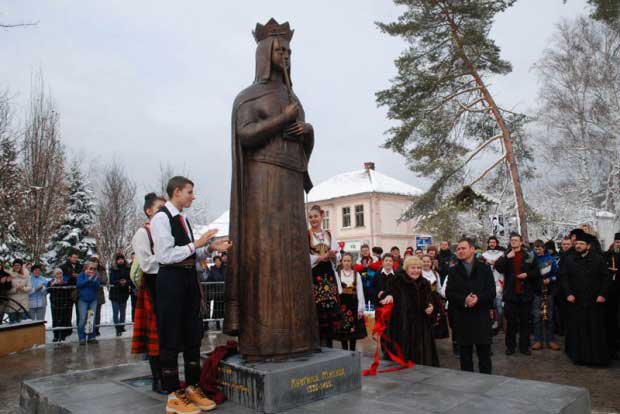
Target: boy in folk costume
(178, 296)
(144, 270)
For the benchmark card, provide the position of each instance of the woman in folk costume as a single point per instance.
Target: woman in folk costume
(144, 273)
(412, 318)
(323, 258)
(352, 302)
(440, 324)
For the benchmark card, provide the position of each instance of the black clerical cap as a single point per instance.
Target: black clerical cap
(584, 237)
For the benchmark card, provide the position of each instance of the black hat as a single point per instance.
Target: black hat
(550, 245)
(617, 236)
(18, 261)
(576, 232)
(584, 237)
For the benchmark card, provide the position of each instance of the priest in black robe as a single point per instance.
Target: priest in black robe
(585, 281)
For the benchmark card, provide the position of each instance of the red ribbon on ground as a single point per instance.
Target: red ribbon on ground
(382, 318)
(209, 373)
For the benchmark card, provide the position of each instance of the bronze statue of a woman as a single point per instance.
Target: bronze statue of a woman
(269, 302)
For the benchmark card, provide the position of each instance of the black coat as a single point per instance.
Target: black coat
(69, 268)
(119, 293)
(5, 286)
(586, 278)
(446, 259)
(613, 261)
(216, 275)
(472, 325)
(381, 283)
(410, 327)
(505, 266)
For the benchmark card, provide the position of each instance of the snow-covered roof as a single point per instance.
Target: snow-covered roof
(342, 185)
(221, 224)
(359, 182)
(605, 214)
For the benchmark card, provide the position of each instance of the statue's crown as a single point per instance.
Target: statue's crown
(273, 28)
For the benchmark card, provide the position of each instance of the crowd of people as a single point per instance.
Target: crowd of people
(25, 292)
(528, 291)
(470, 295)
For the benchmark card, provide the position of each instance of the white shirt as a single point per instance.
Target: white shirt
(142, 247)
(165, 250)
(347, 279)
(491, 256)
(325, 238)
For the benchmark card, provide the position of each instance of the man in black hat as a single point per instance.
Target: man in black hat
(613, 330)
(585, 281)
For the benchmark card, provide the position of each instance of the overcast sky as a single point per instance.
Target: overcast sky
(149, 82)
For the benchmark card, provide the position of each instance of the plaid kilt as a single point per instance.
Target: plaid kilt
(145, 339)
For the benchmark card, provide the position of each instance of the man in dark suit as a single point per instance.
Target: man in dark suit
(471, 291)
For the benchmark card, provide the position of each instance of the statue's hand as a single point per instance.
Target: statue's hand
(291, 111)
(296, 129)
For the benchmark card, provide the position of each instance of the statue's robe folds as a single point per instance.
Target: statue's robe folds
(269, 302)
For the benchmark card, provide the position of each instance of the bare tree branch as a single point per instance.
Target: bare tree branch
(10, 26)
(488, 170)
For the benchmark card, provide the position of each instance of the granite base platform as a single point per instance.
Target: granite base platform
(274, 387)
(420, 390)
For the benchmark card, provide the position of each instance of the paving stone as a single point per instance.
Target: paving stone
(421, 390)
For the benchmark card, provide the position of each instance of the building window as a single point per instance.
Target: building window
(326, 220)
(346, 216)
(359, 215)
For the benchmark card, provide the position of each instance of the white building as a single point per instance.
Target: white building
(362, 206)
(365, 206)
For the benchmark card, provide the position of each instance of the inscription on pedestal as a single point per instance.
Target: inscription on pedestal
(273, 387)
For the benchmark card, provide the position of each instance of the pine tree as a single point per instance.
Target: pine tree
(74, 234)
(445, 111)
(607, 11)
(11, 193)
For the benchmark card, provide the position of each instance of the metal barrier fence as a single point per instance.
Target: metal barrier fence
(61, 312)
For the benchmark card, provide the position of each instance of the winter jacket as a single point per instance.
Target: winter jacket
(69, 268)
(118, 292)
(473, 325)
(5, 286)
(548, 267)
(88, 287)
(216, 275)
(22, 286)
(37, 297)
(60, 294)
(446, 259)
(528, 285)
(103, 279)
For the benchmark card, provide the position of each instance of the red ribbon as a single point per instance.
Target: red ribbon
(382, 317)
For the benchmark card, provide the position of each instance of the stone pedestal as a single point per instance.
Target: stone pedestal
(419, 390)
(273, 387)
